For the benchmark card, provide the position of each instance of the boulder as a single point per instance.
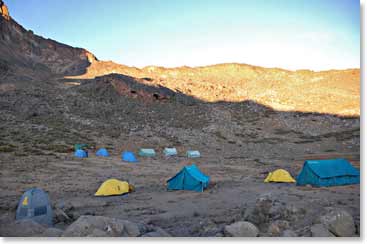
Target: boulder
(88, 225)
(289, 233)
(319, 230)
(339, 222)
(293, 213)
(266, 209)
(158, 232)
(52, 232)
(241, 229)
(23, 228)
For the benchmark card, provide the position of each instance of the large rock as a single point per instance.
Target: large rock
(289, 233)
(339, 222)
(265, 210)
(241, 229)
(4, 10)
(292, 213)
(23, 228)
(319, 230)
(52, 232)
(158, 232)
(101, 226)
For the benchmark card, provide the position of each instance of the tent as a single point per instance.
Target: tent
(81, 153)
(35, 205)
(193, 154)
(128, 156)
(279, 175)
(329, 172)
(113, 187)
(102, 152)
(189, 178)
(146, 152)
(80, 146)
(170, 151)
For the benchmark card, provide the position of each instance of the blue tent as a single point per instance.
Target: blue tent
(189, 178)
(35, 205)
(128, 156)
(81, 153)
(329, 172)
(102, 152)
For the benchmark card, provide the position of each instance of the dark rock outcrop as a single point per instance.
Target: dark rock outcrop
(25, 50)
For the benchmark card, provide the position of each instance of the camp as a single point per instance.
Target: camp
(113, 187)
(193, 154)
(145, 152)
(35, 205)
(279, 175)
(81, 153)
(170, 151)
(328, 172)
(128, 156)
(189, 178)
(102, 152)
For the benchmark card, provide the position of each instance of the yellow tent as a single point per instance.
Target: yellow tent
(114, 187)
(279, 175)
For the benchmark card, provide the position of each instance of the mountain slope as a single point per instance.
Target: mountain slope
(26, 55)
(22, 50)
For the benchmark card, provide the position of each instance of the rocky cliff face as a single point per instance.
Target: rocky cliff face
(22, 49)
(4, 10)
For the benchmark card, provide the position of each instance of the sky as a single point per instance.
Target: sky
(289, 34)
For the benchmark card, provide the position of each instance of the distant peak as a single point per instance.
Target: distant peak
(4, 12)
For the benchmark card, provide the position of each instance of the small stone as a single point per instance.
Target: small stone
(276, 228)
(241, 229)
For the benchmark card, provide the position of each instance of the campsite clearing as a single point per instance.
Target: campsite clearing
(235, 184)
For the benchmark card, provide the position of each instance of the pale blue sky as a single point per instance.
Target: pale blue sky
(291, 34)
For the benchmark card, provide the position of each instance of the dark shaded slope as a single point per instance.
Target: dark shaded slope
(24, 52)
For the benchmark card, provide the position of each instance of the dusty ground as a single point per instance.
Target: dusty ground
(235, 185)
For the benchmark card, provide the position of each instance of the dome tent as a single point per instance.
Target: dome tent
(35, 205)
(189, 178)
(193, 154)
(102, 152)
(328, 172)
(146, 152)
(170, 151)
(81, 153)
(80, 146)
(128, 156)
(279, 175)
(113, 187)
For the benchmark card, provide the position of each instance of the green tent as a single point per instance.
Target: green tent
(146, 152)
(80, 146)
